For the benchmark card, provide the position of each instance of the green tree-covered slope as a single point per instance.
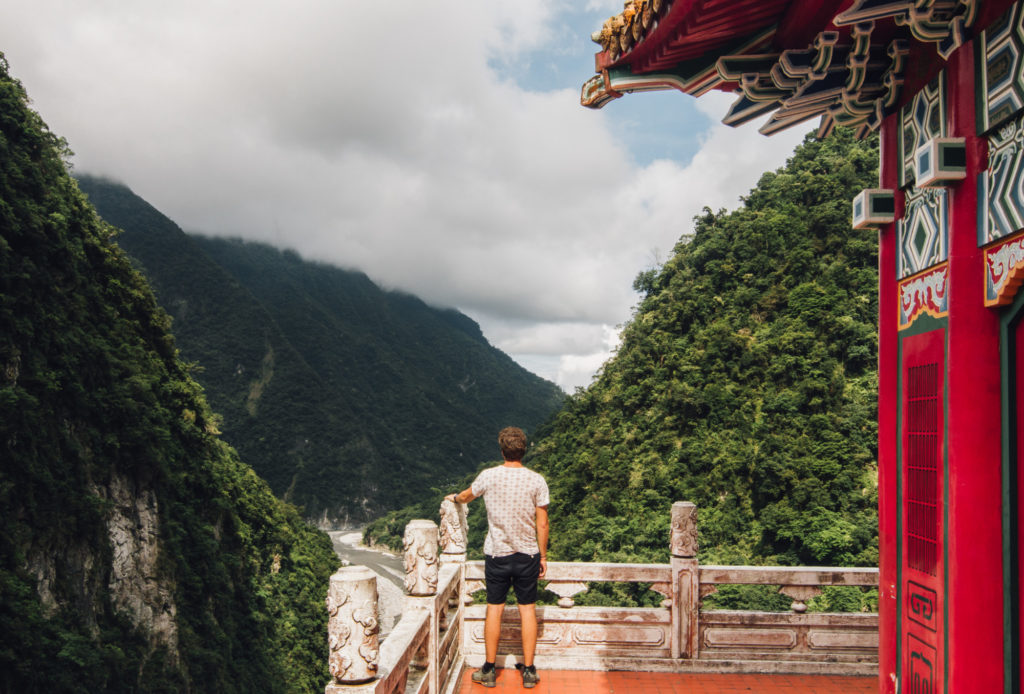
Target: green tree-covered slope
(137, 553)
(348, 399)
(745, 382)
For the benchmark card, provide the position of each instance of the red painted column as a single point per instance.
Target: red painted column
(1017, 395)
(888, 430)
(974, 541)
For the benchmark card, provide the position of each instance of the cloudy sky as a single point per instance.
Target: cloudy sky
(438, 146)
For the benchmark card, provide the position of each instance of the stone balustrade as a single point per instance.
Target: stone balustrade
(441, 629)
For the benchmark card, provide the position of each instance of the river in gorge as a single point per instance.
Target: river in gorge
(390, 570)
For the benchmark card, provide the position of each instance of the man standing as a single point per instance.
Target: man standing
(516, 548)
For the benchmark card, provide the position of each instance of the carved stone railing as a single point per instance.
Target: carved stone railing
(441, 629)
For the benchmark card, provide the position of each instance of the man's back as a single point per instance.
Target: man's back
(512, 495)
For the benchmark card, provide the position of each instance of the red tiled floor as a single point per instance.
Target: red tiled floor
(577, 682)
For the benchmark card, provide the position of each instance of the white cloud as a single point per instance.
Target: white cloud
(378, 136)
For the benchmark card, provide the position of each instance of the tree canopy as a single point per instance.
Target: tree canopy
(94, 398)
(745, 382)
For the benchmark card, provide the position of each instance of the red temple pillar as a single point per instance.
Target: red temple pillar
(888, 467)
(974, 580)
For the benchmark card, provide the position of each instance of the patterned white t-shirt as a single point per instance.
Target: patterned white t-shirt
(512, 495)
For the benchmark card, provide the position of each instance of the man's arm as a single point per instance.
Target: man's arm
(463, 497)
(542, 538)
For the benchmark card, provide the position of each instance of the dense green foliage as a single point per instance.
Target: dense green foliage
(387, 530)
(94, 398)
(347, 399)
(745, 382)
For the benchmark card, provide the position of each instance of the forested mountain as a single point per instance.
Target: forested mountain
(137, 553)
(745, 382)
(349, 400)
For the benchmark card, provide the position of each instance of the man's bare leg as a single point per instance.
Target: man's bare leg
(528, 620)
(492, 631)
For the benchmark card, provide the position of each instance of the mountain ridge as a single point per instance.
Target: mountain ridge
(349, 399)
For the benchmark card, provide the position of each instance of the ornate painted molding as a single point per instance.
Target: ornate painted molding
(922, 604)
(1001, 185)
(923, 231)
(921, 120)
(924, 293)
(612, 83)
(1004, 271)
(942, 22)
(1000, 75)
(854, 85)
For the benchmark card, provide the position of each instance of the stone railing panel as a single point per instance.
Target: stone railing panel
(397, 669)
(641, 632)
(448, 608)
(783, 636)
(789, 575)
(441, 630)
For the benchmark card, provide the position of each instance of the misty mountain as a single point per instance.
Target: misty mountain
(348, 399)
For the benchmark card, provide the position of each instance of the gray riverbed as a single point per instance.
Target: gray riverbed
(389, 568)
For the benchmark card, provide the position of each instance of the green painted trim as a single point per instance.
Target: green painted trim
(981, 82)
(945, 515)
(944, 121)
(899, 506)
(982, 207)
(924, 323)
(1008, 321)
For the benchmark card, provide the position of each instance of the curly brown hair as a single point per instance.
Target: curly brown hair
(513, 443)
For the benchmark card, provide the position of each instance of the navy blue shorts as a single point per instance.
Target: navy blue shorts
(520, 571)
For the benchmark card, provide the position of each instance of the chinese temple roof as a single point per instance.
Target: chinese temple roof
(841, 60)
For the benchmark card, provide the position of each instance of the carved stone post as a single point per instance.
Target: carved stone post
(352, 628)
(420, 543)
(685, 581)
(453, 532)
(421, 569)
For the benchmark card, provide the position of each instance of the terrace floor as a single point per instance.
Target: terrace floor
(588, 682)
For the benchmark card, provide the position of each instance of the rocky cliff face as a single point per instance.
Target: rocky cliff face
(135, 585)
(124, 572)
